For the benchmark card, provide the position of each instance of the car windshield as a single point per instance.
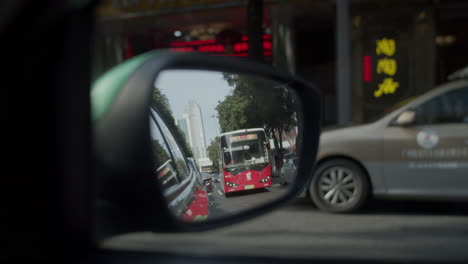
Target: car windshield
(244, 149)
(391, 109)
(377, 190)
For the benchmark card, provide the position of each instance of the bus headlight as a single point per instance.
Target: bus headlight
(231, 184)
(265, 179)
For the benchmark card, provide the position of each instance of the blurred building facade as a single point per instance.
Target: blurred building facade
(196, 131)
(364, 55)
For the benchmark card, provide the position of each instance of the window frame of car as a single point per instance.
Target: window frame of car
(183, 183)
(195, 170)
(443, 100)
(390, 119)
(160, 163)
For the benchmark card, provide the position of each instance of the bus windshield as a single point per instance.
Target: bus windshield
(245, 148)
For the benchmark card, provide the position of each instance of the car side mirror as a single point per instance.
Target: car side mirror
(406, 118)
(143, 100)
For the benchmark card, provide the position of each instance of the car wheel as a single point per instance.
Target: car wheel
(339, 186)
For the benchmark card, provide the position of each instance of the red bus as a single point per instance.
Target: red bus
(245, 160)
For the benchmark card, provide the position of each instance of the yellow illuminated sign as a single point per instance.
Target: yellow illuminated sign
(388, 86)
(386, 46)
(387, 66)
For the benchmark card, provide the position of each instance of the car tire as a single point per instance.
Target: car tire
(339, 186)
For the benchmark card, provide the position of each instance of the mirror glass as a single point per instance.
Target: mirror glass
(222, 142)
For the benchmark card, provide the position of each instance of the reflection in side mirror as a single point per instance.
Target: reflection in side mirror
(235, 129)
(407, 117)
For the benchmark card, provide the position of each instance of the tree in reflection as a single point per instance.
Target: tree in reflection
(213, 154)
(160, 102)
(160, 154)
(256, 102)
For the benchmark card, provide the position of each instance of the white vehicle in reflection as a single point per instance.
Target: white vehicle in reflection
(288, 170)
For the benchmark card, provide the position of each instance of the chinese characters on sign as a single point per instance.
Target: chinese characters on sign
(388, 86)
(386, 46)
(387, 66)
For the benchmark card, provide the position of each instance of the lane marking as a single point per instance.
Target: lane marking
(220, 193)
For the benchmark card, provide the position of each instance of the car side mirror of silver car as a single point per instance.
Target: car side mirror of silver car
(406, 118)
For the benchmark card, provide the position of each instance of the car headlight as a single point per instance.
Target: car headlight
(231, 184)
(265, 179)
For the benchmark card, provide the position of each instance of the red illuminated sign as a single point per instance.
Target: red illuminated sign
(239, 49)
(245, 38)
(192, 43)
(211, 48)
(182, 49)
(243, 54)
(367, 69)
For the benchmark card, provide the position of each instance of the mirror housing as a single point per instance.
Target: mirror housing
(128, 197)
(405, 118)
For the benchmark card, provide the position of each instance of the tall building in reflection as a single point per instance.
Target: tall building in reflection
(182, 124)
(195, 131)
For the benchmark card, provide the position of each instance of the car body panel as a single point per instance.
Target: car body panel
(363, 143)
(188, 198)
(396, 161)
(248, 179)
(439, 170)
(198, 209)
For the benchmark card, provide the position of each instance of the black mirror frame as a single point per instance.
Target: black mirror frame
(123, 155)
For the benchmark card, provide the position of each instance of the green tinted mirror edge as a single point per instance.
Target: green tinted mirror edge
(107, 87)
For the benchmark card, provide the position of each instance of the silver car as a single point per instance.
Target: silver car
(419, 150)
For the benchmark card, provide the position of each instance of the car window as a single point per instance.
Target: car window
(165, 171)
(195, 170)
(206, 175)
(179, 157)
(450, 107)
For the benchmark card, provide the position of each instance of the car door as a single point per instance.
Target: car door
(430, 157)
(182, 188)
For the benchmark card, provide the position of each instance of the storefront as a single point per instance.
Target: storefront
(395, 50)
(401, 50)
(217, 27)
